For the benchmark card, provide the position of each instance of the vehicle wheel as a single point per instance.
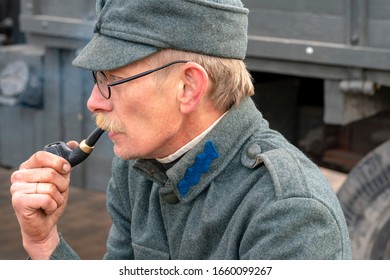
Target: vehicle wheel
(365, 199)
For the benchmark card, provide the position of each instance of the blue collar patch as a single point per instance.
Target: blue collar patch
(201, 165)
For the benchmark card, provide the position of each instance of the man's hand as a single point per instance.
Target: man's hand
(39, 196)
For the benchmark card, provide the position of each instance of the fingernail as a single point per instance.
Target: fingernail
(66, 167)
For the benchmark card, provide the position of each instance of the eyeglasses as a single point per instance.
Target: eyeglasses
(104, 86)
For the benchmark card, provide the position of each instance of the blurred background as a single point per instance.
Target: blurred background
(322, 76)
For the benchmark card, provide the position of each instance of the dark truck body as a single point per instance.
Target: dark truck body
(345, 43)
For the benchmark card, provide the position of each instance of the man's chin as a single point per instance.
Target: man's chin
(123, 155)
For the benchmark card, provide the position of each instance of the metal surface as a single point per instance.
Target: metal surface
(55, 30)
(54, 23)
(338, 41)
(340, 33)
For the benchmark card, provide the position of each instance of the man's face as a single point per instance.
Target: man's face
(147, 114)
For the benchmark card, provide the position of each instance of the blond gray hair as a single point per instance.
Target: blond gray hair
(230, 79)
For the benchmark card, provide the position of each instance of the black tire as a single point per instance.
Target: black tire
(365, 199)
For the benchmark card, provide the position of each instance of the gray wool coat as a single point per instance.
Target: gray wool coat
(244, 192)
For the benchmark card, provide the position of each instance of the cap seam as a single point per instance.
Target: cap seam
(219, 6)
(133, 36)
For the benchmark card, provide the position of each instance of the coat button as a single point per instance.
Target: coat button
(253, 151)
(251, 156)
(171, 198)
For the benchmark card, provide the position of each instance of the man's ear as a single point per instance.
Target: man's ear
(195, 80)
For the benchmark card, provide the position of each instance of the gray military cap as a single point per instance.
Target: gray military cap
(129, 30)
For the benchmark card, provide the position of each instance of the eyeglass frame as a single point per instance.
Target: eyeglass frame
(131, 78)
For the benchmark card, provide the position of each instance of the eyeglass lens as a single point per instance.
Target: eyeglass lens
(101, 81)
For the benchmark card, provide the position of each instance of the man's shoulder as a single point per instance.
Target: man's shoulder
(291, 172)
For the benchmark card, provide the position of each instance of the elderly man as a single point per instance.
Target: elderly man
(198, 173)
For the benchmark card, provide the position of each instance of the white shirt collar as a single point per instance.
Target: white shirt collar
(189, 145)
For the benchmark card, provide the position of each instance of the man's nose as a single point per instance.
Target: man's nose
(96, 101)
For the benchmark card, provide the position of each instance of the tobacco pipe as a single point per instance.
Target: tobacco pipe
(79, 154)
